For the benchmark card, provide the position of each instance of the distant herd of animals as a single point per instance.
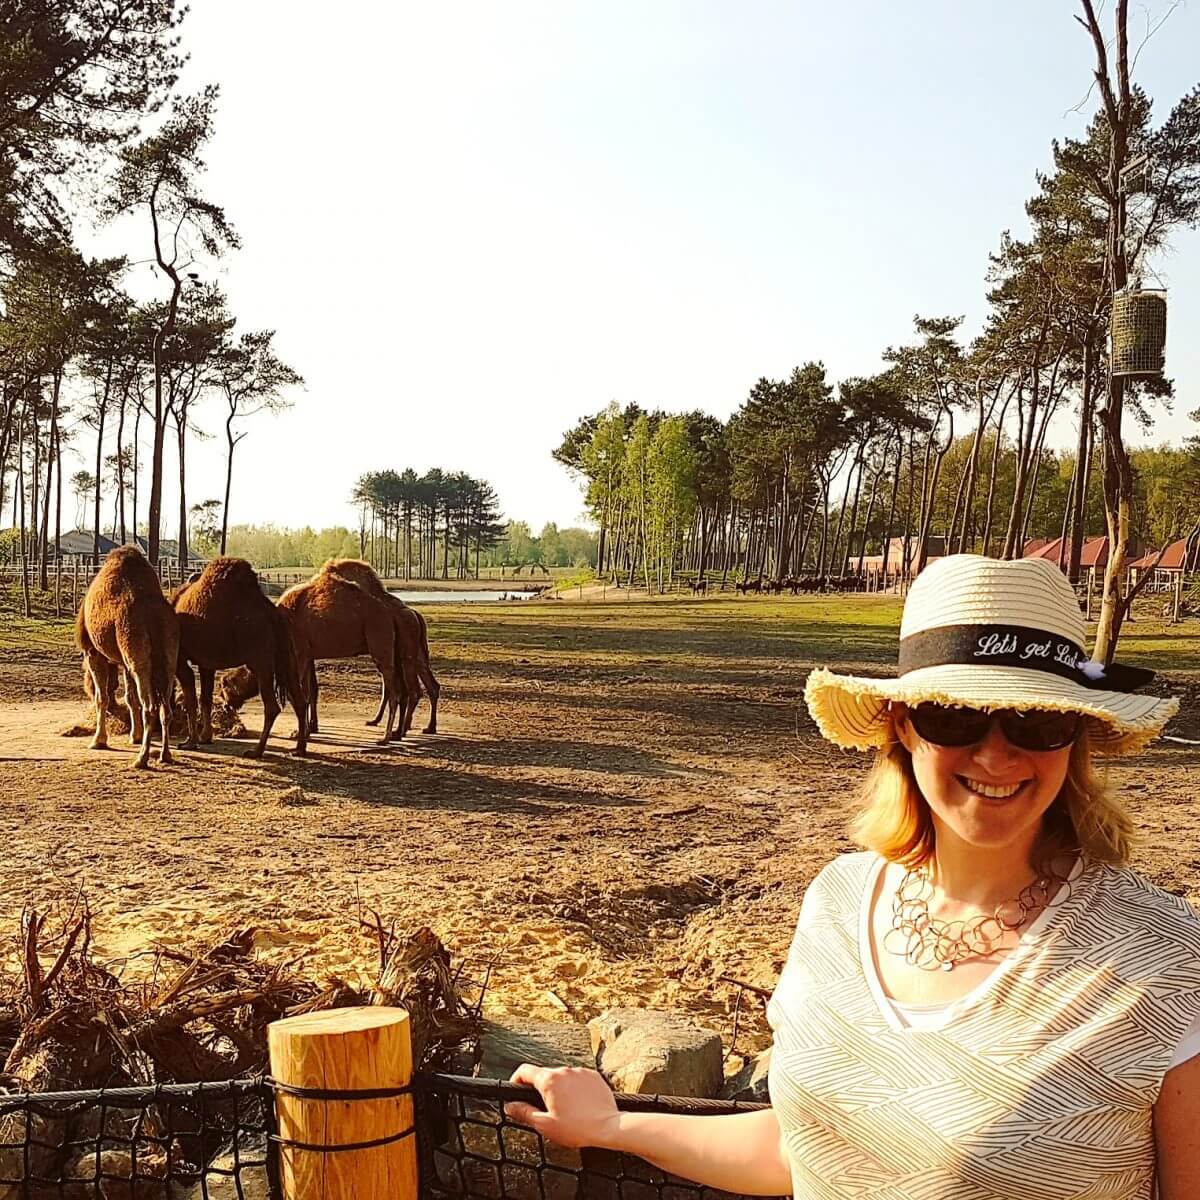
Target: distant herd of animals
(221, 620)
(805, 584)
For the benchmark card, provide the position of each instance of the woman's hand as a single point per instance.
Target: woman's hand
(580, 1109)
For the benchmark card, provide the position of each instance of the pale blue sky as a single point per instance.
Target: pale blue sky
(472, 223)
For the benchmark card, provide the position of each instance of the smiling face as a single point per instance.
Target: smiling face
(991, 795)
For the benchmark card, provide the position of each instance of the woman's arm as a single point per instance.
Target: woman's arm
(739, 1152)
(1177, 1132)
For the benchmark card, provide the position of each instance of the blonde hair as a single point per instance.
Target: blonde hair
(896, 821)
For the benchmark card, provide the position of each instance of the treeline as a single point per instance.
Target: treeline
(950, 437)
(689, 482)
(424, 526)
(84, 363)
(268, 546)
(553, 547)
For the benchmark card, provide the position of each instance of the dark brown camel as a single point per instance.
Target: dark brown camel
(412, 644)
(332, 617)
(225, 620)
(126, 622)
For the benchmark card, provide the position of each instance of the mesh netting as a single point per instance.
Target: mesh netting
(469, 1148)
(217, 1141)
(1139, 333)
(204, 1141)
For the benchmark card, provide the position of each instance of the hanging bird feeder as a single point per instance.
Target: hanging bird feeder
(1139, 332)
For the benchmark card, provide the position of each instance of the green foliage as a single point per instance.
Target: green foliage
(269, 546)
(76, 77)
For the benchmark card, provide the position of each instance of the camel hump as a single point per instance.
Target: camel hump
(125, 576)
(227, 569)
(354, 570)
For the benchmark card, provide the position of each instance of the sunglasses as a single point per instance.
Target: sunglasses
(1037, 729)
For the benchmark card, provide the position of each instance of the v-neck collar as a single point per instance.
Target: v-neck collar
(955, 1008)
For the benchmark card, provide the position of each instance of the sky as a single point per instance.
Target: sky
(473, 222)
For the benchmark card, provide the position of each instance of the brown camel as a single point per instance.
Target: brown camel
(412, 644)
(225, 620)
(125, 621)
(332, 617)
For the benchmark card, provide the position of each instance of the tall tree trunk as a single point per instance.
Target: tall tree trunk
(1082, 457)
(100, 464)
(991, 492)
(232, 444)
(44, 579)
(934, 471)
(137, 423)
(862, 549)
(181, 435)
(1118, 470)
(119, 523)
(21, 502)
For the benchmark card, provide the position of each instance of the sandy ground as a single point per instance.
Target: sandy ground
(603, 835)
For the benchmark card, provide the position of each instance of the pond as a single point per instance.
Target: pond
(457, 597)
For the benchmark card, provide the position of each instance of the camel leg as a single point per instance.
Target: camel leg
(389, 684)
(382, 705)
(300, 708)
(135, 709)
(100, 668)
(381, 644)
(165, 758)
(207, 678)
(266, 690)
(433, 690)
(313, 687)
(187, 685)
(145, 692)
(411, 695)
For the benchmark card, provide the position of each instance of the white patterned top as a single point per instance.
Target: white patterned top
(1038, 1086)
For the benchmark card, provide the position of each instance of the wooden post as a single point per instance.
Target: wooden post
(1091, 584)
(1177, 603)
(345, 1049)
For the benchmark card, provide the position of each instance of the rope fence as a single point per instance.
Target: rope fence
(219, 1141)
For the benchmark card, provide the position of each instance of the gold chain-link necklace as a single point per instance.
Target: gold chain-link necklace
(935, 945)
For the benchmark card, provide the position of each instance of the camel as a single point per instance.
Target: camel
(125, 621)
(225, 620)
(412, 644)
(332, 617)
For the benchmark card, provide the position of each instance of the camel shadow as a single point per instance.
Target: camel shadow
(530, 752)
(424, 786)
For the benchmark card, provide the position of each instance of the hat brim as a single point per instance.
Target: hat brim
(851, 710)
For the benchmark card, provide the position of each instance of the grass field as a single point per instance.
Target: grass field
(833, 629)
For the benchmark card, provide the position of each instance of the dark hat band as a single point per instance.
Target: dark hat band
(1016, 646)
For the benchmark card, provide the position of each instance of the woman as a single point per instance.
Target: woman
(986, 1004)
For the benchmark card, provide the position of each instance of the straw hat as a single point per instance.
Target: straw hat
(985, 633)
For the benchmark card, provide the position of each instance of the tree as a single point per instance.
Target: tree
(1171, 190)
(252, 378)
(82, 484)
(76, 77)
(160, 175)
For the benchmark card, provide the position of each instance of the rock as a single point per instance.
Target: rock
(527, 1040)
(114, 1177)
(503, 1048)
(750, 1083)
(253, 1178)
(295, 797)
(650, 1052)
